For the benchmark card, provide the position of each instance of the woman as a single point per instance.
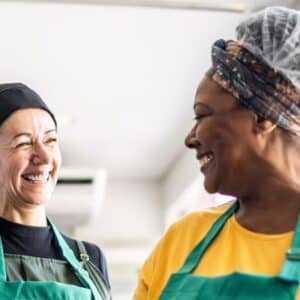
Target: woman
(247, 141)
(36, 261)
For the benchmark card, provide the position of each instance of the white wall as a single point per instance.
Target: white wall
(183, 189)
(129, 222)
(132, 211)
(182, 172)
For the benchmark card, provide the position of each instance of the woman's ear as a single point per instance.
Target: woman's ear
(263, 126)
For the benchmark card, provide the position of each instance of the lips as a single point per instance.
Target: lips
(37, 178)
(205, 159)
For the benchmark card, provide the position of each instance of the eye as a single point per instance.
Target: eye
(51, 141)
(23, 144)
(200, 117)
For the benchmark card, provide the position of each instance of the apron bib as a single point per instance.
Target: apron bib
(242, 286)
(49, 290)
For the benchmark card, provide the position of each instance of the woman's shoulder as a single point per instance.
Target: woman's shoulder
(94, 252)
(202, 216)
(211, 212)
(174, 246)
(190, 228)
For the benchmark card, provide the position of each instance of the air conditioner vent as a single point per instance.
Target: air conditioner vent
(64, 181)
(78, 196)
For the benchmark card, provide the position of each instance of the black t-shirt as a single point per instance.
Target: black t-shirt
(40, 242)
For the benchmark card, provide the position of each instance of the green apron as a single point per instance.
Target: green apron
(49, 289)
(242, 286)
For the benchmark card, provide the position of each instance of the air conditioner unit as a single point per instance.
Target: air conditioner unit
(77, 197)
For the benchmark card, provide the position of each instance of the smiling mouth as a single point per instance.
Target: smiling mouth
(205, 160)
(37, 179)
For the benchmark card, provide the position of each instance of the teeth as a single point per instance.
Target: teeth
(205, 159)
(37, 178)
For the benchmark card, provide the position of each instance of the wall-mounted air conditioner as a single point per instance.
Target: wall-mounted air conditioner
(77, 197)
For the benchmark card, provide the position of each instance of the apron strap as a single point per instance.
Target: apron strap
(84, 257)
(69, 255)
(3, 276)
(93, 271)
(192, 260)
(290, 270)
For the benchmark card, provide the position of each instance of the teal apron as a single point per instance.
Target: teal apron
(49, 290)
(242, 286)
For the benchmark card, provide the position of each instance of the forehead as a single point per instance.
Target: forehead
(214, 96)
(29, 119)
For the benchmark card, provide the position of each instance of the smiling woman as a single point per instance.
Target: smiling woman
(247, 141)
(29, 164)
(223, 122)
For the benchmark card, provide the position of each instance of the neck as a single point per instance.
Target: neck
(29, 216)
(269, 195)
(272, 208)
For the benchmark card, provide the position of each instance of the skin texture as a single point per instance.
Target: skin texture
(254, 160)
(28, 145)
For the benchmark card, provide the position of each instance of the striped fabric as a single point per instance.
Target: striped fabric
(256, 85)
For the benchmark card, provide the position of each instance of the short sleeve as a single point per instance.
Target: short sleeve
(152, 276)
(145, 277)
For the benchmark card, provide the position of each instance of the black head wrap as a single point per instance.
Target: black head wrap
(15, 96)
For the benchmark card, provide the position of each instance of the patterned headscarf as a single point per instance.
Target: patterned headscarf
(262, 69)
(256, 85)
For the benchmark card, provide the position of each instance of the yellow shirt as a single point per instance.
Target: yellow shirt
(234, 249)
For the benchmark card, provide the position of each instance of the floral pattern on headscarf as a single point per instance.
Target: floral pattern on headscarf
(256, 85)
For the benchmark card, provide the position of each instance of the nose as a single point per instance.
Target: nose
(191, 140)
(41, 155)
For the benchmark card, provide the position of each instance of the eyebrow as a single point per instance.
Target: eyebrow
(29, 134)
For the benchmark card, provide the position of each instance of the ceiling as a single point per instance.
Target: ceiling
(218, 5)
(124, 76)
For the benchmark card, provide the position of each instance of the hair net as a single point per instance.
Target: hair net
(274, 36)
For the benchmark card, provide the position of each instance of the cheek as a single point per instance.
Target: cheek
(233, 151)
(10, 173)
(226, 143)
(218, 135)
(223, 136)
(57, 159)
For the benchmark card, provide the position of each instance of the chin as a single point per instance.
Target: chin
(36, 199)
(210, 187)
(213, 186)
(34, 202)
